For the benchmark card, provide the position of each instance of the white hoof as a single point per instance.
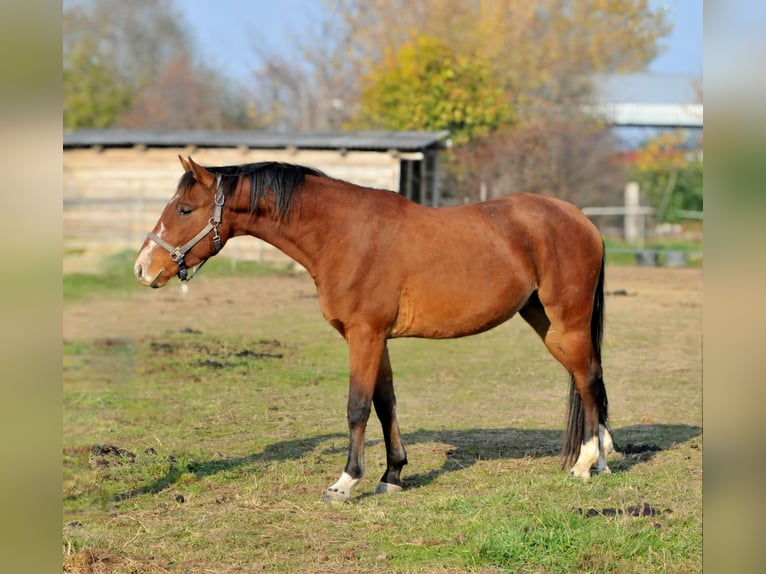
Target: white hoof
(335, 495)
(386, 488)
(341, 490)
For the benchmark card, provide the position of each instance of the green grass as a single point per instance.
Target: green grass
(620, 252)
(235, 433)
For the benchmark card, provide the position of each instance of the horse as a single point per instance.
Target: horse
(386, 267)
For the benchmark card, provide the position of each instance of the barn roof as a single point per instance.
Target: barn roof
(367, 141)
(648, 100)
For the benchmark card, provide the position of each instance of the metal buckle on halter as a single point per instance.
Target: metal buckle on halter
(177, 254)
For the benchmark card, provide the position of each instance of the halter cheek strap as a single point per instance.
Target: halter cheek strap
(177, 253)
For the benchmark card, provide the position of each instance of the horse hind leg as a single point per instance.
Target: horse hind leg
(588, 425)
(587, 440)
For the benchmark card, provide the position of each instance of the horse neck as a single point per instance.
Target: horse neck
(319, 215)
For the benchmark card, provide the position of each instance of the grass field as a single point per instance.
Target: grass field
(200, 432)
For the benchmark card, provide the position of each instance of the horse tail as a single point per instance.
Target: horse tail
(575, 432)
(597, 317)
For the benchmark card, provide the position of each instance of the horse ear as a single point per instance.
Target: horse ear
(185, 164)
(202, 175)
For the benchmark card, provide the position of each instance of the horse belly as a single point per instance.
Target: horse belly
(449, 311)
(465, 271)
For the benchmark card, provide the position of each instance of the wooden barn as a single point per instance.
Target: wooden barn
(116, 182)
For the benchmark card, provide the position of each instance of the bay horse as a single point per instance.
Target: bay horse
(387, 267)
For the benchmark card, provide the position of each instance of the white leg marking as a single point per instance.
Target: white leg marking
(606, 446)
(341, 490)
(588, 457)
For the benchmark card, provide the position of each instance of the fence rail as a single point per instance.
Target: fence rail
(635, 220)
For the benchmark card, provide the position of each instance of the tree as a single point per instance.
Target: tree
(669, 176)
(426, 85)
(570, 158)
(93, 94)
(132, 64)
(183, 97)
(112, 50)
(537, 51)
(315, 91)
(507, 77)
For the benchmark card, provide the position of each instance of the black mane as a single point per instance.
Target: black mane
(285, 180)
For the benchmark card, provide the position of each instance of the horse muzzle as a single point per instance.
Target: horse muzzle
(154, 282)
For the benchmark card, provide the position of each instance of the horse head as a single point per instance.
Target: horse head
(190, 230)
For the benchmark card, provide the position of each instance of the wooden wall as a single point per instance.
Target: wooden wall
(114, 196)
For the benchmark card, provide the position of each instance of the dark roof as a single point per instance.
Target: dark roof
(372, 141)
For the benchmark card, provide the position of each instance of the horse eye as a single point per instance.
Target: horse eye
(184, 210)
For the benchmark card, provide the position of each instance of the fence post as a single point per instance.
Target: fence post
(631, 211)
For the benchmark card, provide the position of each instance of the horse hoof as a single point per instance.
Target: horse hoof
(387, 488)
(334, 495)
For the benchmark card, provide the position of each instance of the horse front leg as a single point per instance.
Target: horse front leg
(384, 400)
(365, 351)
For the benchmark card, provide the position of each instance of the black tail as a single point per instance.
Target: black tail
(597, 318)
(575, 432)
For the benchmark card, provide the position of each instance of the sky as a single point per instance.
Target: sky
(683, 48)
(230, 32)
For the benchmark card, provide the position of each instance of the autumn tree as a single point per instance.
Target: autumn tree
(426, 85)
(185, 97)
(132, 64)
(112, 50)
(537, 51)
(669, 176)
(571, 158)
(94, 96)
(534, 61)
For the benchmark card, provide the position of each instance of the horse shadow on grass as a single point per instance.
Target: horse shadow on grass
(461, 449)
(635, 444)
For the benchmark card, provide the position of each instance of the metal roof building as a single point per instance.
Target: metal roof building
(648, 100)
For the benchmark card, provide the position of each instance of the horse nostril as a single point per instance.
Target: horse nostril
(138, 270)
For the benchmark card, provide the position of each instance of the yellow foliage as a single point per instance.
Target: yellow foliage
(661, 153)
(533, 50)
(427, 86)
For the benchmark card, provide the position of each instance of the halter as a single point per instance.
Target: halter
(177, 253)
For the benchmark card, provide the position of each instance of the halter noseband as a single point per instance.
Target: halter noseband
(177, 253)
